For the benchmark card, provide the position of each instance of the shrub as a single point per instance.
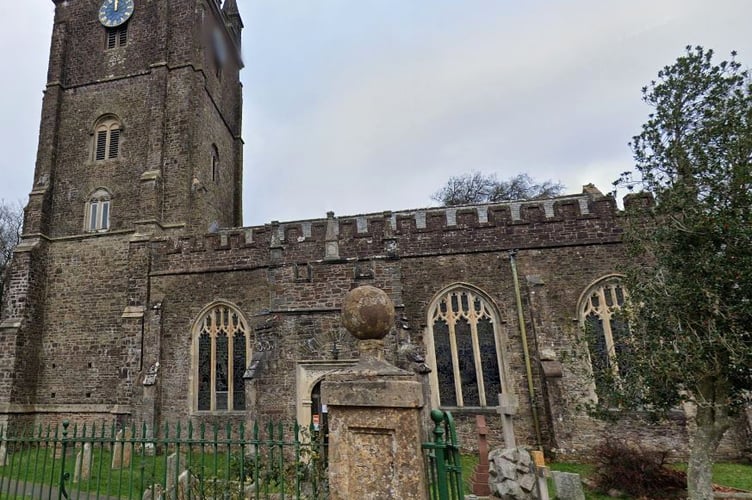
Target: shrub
(636, 471)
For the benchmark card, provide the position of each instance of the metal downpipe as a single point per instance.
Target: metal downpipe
(526, 350)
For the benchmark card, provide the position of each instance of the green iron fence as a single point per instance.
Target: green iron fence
(444, 466)
(270, 461)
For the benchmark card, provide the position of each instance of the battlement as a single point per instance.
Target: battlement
(587, 217)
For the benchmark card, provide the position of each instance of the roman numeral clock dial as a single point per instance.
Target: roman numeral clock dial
(113, 13)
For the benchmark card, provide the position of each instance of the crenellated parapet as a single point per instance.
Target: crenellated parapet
(587, 218)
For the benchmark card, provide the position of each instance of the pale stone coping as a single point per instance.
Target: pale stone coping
(418, 215)
(64, 408)
(483, 214)
(307, 229)
(451, 216)
(26, 245)
(10, 324)
(80, 236)
(361, 223)
(420, 219)
(133, 312)
(515, 209)
(584, 208)
(151, 175)
(382, 392)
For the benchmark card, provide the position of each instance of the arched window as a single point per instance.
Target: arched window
(606, 330)
(465, 349)
(221, 350)
(98, 208)
(107, 139)
(214, 163)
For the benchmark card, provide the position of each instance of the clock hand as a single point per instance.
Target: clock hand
(116, 5)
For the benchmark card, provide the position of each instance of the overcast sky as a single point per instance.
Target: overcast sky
(369, 105)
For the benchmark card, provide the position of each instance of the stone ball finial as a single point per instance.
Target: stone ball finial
(368, 313)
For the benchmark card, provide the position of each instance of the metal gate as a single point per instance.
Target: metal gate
(443, 459)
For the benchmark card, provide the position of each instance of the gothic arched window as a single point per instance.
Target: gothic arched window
(221, 350)
(465, 349)
(97, 215)
(606, 330)
(106, 139)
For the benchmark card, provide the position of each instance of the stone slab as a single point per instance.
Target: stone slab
(568, 486)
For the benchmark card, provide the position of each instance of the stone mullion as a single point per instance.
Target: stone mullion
(605, 316)
(230, 366)
(451, 321)
(473, 319)
(213, 366)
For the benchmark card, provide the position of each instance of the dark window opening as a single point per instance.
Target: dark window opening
(117, 37)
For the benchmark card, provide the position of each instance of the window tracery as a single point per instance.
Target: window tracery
(606, 330)
(222, 348)
(465, 349)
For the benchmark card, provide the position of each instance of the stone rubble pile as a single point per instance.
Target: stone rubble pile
(512, 476)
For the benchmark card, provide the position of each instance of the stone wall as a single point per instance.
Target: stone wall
(116, 303)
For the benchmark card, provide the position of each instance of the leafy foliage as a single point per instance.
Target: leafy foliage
(691, 314)
(477, 187)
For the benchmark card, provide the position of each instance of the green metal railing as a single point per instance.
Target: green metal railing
(444, 466)
(269, 461)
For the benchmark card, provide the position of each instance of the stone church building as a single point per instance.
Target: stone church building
(137, 296)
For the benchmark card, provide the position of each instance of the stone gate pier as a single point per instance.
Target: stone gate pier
(374, 407)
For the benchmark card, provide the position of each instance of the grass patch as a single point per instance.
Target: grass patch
(726, 474)
(37, 465)
(733, 475)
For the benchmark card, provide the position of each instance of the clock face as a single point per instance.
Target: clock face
(113, 13)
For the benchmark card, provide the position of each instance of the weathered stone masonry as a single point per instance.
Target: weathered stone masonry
(87, 314)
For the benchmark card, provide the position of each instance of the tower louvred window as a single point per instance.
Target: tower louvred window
(114, 144)
(117, 37)
(112, 37)
(107, 139)
(101, 152)
(123, 35)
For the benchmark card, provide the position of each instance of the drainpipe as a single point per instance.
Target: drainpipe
(526, 350)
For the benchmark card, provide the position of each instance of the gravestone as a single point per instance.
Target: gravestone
(187, 484)
(479, 479)
(121, 452)
(175, 467)
(82, 471)
(154, 492)
(568, 486)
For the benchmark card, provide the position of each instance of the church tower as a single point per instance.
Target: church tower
(141, 118)
(140, 139)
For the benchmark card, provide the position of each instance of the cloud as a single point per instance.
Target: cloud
(372, 105)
